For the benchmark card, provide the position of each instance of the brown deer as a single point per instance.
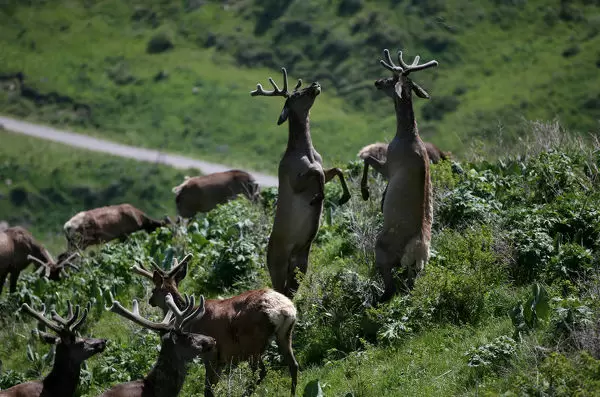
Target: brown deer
(301, 188)
(203, 193)
(18, 248)
(242, 325)
(107, 223)
(71, 352)
(179, 346)
(408, 208)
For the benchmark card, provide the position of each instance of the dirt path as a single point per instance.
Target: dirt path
(117, 149)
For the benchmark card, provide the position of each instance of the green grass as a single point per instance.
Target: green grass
(43, 184)
(505, 59)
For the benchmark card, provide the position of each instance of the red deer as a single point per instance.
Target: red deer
(178, 347)
(203, 193)
(408, 207)
(107, 223)
(71, 352)
(301, 188)
(242, 325)
(18, 248)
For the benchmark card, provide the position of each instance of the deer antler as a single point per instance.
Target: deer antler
(188, 313)
(60, 325)
(177, 265)
(67, 261)
(276, 91)
(404, 68)
(140, 269)
(165, 325)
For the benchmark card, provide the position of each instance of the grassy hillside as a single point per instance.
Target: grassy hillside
(176, 74)
(43, 184)
(507, 305)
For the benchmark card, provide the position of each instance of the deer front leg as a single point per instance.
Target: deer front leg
(3, 275)
(379, 166)
(329, 174)
(213, 370)
(14, 275)
(305, 179)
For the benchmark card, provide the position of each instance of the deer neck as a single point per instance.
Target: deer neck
(406, 125)
(299, 133)
(168, 375)
(64, 377)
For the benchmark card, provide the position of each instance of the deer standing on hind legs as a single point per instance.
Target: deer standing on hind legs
(301, 188)
(407, 208)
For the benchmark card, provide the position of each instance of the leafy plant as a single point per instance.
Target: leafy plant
(527, 317)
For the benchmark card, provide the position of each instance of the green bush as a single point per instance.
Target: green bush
(160, 42)
(572, 261)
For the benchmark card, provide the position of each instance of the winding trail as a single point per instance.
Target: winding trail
(117, 149)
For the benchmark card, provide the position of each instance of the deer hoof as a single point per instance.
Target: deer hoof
(344, 199)
(365, 194)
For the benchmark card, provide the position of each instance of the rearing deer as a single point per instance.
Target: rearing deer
(301, 188)
(408, 208)
(71, 352)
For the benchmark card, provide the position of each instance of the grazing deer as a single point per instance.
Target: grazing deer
(71, 352)
(179, 346)
(301, 188)
(18, 248)
(242, 325)
(408, 208)
(203, 193)
(107, 223)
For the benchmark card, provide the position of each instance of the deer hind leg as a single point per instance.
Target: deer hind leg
(277, 262)
(384, 260)
(329, 174)
(299, 261)
(213, 371)
(3, 276)
(416, 254)
(14, 275)
(284, 343)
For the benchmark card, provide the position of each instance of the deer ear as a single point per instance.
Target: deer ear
(181, 273)
(284, 114)
(398, 89)
(420, 92)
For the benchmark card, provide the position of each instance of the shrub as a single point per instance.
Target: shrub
(493, 355)
(436, 109)
(160, 42)
(571, 262)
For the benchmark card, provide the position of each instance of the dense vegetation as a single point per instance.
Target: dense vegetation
(507, 304)
(43, 184)
(176, 74)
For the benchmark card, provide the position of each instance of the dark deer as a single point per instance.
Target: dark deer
(408, 207)
(18, 248)
(203, 193)
(242, 325)
(71, 352)
(179, 346)
(301, 188)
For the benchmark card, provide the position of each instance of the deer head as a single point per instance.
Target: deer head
(297, 102)
(52, 269)
(165, 282)
(173, 327)
(400, 84)
(77, 349)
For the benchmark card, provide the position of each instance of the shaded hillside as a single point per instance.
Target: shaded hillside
(176, 74)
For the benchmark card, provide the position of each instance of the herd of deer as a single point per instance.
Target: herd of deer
(240, 328)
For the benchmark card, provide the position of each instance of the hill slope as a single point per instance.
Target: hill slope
(188, 90)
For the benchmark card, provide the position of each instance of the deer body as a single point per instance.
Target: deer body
(106, 223)
(203, 193)
(71, 352)
(301, 189)
(242, 326)
(407, 208)
(17, 248)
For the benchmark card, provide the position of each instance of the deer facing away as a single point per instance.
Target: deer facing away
(107, 223)
(179, 346)
(408, 208)
(242, 325)
(203, 193)
(71, 352)
(301, 188)
(18, 248)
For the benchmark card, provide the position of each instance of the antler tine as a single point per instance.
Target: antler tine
(140, 269)
(41, 318)
(33, 258)
(298, 84)
(426, 65)
(196, 314)
(401, 61)
(79, 323)
(173, 307)
(285, 80)
(389, 64)
(67, 261)
(56, 317)
(416, 61)
(177, 265)
(164, 326)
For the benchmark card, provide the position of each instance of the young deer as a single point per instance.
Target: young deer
(301, 188)
(18, 248)
(408, 208)
(242, 325)
(71, 352)
(179, 346)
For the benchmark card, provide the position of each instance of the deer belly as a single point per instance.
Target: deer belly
(298, 222)
(404, 204)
